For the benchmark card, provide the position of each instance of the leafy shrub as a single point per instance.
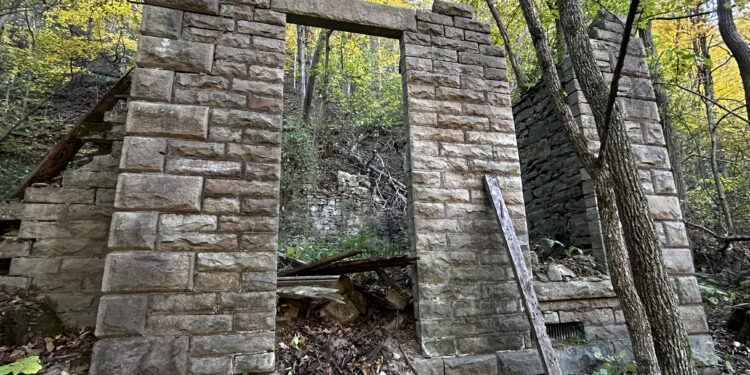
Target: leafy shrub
(28, 365)
(614, 364)
(299, 160)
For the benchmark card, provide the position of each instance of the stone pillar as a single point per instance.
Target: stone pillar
(461, 127)
(190, 281)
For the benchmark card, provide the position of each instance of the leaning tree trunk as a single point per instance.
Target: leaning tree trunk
(706, 79)
(662, 102)
(740, 50)
(506, 42)
(622, 278)
(646, 260)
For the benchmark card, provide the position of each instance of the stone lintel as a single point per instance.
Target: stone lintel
(349, 15)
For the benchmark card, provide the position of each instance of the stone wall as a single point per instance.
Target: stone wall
(556, 197)
(350, 209)
(647, 141)
(189, 286)
(461, 127)
(57, 254)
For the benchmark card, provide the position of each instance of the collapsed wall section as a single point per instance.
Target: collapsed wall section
(460, 128)
(57, 253)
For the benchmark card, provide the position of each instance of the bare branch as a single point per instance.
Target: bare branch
(728, 238)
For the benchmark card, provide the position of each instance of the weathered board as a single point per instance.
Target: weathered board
(523, 277)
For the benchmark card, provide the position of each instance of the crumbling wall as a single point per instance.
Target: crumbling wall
(553, 186)
(350, 209)
(57, 253)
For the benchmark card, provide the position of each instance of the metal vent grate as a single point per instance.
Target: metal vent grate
(565, 331)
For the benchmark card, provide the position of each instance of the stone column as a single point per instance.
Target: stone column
(461, 127)
(190, 281)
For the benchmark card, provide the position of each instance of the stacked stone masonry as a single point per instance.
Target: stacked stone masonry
(192, 190)
(460, 128)
(58, 252)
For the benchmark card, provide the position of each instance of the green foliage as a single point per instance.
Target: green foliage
(614, 364)
(28, 365)
(299, 159)
(313, 249)
(714, 294)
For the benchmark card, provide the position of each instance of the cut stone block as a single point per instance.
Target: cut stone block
(137, 271)
(162, 192)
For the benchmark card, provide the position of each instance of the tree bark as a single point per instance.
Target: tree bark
(662, 102)
(705, 79)
(740, 50)
(515, 66)
(646, 260)
(312, 75)
(302, 63)
(622, 278)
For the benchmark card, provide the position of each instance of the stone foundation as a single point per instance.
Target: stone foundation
(188, 284)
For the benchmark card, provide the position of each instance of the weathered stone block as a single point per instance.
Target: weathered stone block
(195, 149)
(187, 223)
(254, 363)
(175, 55)
(258, 189)
(145, 355)
(147, 271)
(452, 9)
(121, 315)
(664, 207)
(237, 261)
(161, 119)
(203, 167)
(133, 230)
(34, 266)
(182, 302)
(210, 365)
(189, 324)
(142, 191)
(196, 241)
(152, 84)
(217, 281)
(221, 205)
(233, 343)
(14, 248)
(51, 194)
(143, 154)
(249, 301)
(162, 22)
(71, 229)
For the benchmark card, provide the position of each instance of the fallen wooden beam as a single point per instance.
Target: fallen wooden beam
(320, 263)
(361, 265)
(327, 281)
(311, 292)
(523, 277)
(65, 150)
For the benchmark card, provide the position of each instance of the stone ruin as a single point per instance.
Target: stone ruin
(166, 241)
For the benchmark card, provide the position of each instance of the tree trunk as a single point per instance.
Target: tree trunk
(662, 102)
(506, 42)
(740, 50)
(312, 75)
(646, 260)
(622, 278)
(301, 52)
(706, 79)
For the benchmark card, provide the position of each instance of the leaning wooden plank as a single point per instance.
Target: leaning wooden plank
(320, 263)
(362, 265)
(312, 292)
(65, 150)
(523, 277)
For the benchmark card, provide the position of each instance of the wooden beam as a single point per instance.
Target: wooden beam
(523, 277)
(65, 150)
(320, 263)
(362, 265)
